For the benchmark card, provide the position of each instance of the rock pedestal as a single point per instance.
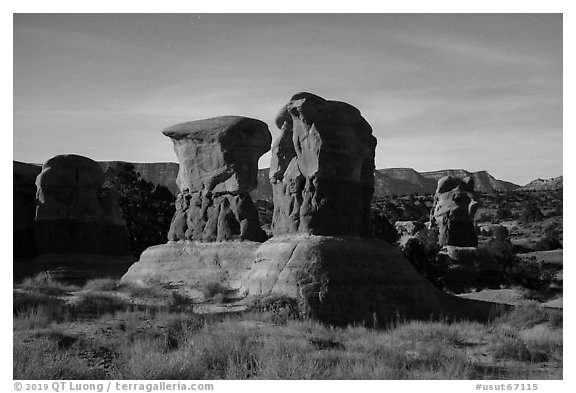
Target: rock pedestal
(455, 204)
(218, 169)
(213, 234)
(343, 279)
(195, 266)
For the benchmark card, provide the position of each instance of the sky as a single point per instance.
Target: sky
(441, 91)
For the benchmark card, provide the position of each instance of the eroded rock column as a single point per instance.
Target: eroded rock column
(70, 217)
(218, 168)
(322, 168)
(455, 204)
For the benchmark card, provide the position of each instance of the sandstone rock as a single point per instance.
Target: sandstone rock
(218, 168)
(194, 265)
(24, 208)
(219, 154)
(345, 280)
(322, 168)
(70, 217)
(455, 204)
(408, 227)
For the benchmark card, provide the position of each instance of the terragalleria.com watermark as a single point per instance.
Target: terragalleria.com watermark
(114, 386)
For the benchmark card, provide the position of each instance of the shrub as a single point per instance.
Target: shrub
(213, 288)
(531, 212)
(282, 307)
(91, 304)
(382, 228)
(147, 209)
(44, 283)
(179, 302)
(550, 241)
(504, 213)
(33, 311)
(515, 348)
(102, 284)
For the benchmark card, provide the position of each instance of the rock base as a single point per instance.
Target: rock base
(350, 280)
(196, 267)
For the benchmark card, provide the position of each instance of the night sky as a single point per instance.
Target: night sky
(470, 91)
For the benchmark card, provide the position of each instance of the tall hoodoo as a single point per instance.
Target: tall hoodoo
(322, 168)
(70, 215)
(218, 168)
(455, 204)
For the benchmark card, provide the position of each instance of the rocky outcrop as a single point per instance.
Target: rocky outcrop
(71, 218)
(455, 204)
(552, 184)
(345, 280)
(218, 169)
(408, 228)
(195, 267)
(24, 207)
(482, 180)
(322, 168)
(215, 229)
(342, 279)
(322, 253)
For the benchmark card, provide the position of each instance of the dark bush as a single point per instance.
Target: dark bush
(147, 209)
(504, 213)
(531, 212)
(282, 307)
(382, 228)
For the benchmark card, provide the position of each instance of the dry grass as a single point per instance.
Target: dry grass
(102, 336)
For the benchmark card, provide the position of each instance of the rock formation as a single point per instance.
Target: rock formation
(322, 168)
(455, 204)
(408, 228)
(215, 229)
(218, 169)
(322, 253)
(24, 208)
(71, 218)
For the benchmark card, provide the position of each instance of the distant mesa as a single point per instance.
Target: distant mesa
(388, 181)
(552, 184)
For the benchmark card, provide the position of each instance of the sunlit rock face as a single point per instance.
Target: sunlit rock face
(71, 216)
(218, 168)
(322, 168)
(455, 204)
